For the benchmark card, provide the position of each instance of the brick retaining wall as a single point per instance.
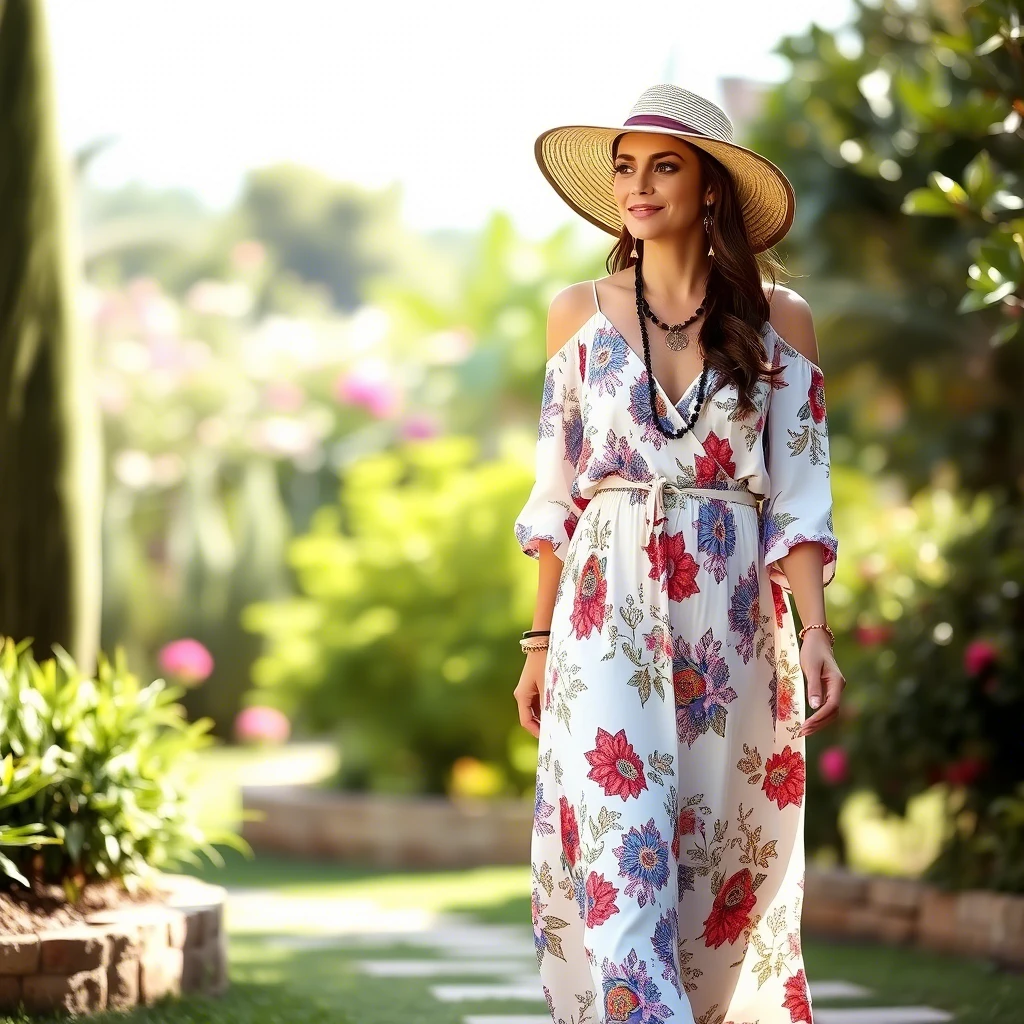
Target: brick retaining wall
(393, 831)
(121, 958)
(904, 911)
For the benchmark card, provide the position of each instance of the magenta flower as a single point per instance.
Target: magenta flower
(370, 385)
(833, 765)
(261, 725)
(188, 661)
(979, 655)
(418, 426)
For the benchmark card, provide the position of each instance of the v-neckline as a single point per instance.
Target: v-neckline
(664, 394)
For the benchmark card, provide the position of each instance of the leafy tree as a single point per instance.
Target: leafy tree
(868, 115)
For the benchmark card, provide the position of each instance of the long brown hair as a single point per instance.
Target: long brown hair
(737, 307)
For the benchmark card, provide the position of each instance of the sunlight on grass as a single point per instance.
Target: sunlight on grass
(882, 843)
(223, 770)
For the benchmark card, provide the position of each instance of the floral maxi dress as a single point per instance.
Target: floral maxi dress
(667, 846)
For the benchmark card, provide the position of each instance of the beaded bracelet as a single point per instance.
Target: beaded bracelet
(528, 646)
(818, 625)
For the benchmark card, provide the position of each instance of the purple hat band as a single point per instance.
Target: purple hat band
(660, 121)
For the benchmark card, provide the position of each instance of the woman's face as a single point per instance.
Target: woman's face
(663, 172)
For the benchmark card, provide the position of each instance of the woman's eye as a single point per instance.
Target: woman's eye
(625, 167)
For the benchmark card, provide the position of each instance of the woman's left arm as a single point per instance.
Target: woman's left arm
(800, 544)
(825, 681)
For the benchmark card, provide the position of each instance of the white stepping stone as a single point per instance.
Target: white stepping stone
(838, 990)
(882, 1015)
(427, 968)
(506, 1019)
(525, 989)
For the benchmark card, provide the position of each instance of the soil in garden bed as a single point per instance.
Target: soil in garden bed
(45, 906)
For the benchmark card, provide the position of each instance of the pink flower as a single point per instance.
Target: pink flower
(248, 254)
(418, 426)
(870, 636)
(979, 656)
(369, 384)
(188, 661)
(261, 725)
(833, 765)
(965, 771)
(284, 395)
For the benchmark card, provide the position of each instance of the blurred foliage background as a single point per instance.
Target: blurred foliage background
(318, 427)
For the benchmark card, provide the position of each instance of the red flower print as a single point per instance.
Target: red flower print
(797, 999)
(816, 395)
(616, 766)
(589, 603)
(570, 832)
(730, 913)
(718, 454)
(784, 777)
(669, 558)
(582, 350)
(686, 825)
(600, 899)
(688, 685)
(785, 696)
(570, 524)
(779, 598)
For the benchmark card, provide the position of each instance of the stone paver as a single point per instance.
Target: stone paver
(524, 989)
(428, 968)
(522, 1018)
(465, 948)
(881, 1015)
(838, 990)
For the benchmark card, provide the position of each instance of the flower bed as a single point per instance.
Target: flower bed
(115, 959)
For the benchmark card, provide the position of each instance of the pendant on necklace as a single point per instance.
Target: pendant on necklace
(677, 340)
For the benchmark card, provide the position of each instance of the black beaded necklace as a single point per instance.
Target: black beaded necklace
(688, 424)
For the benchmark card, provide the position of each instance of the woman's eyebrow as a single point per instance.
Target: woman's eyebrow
(654, 156)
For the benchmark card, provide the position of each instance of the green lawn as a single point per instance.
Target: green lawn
(273, 982)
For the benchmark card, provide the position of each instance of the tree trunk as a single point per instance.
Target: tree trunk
(50, 484)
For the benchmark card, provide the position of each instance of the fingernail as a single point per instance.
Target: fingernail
(814, 700)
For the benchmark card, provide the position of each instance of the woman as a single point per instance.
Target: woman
(663, 673)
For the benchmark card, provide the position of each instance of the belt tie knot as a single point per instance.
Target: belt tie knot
(655, 506)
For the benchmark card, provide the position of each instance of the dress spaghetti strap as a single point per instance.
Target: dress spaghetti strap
(596, 301)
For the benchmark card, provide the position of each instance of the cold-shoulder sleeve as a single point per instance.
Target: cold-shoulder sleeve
(550, 512)
(799, 506)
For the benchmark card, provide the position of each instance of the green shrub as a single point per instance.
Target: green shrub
(403, 639)
(101, 765)
(934, 659)
(19, 780)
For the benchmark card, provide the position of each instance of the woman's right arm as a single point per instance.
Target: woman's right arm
(546, 522)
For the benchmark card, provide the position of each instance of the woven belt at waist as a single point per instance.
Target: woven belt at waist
(651, 541)
(614, 482)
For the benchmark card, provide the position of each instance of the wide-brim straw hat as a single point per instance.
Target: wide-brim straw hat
(577, 160)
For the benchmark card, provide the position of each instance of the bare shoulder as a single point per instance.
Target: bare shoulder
(791, 317)
(569, 310)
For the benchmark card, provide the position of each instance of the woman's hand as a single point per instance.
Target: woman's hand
(824, 680)
(529, 694)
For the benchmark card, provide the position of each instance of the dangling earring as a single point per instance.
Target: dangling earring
(708, 221)
(634, 255)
